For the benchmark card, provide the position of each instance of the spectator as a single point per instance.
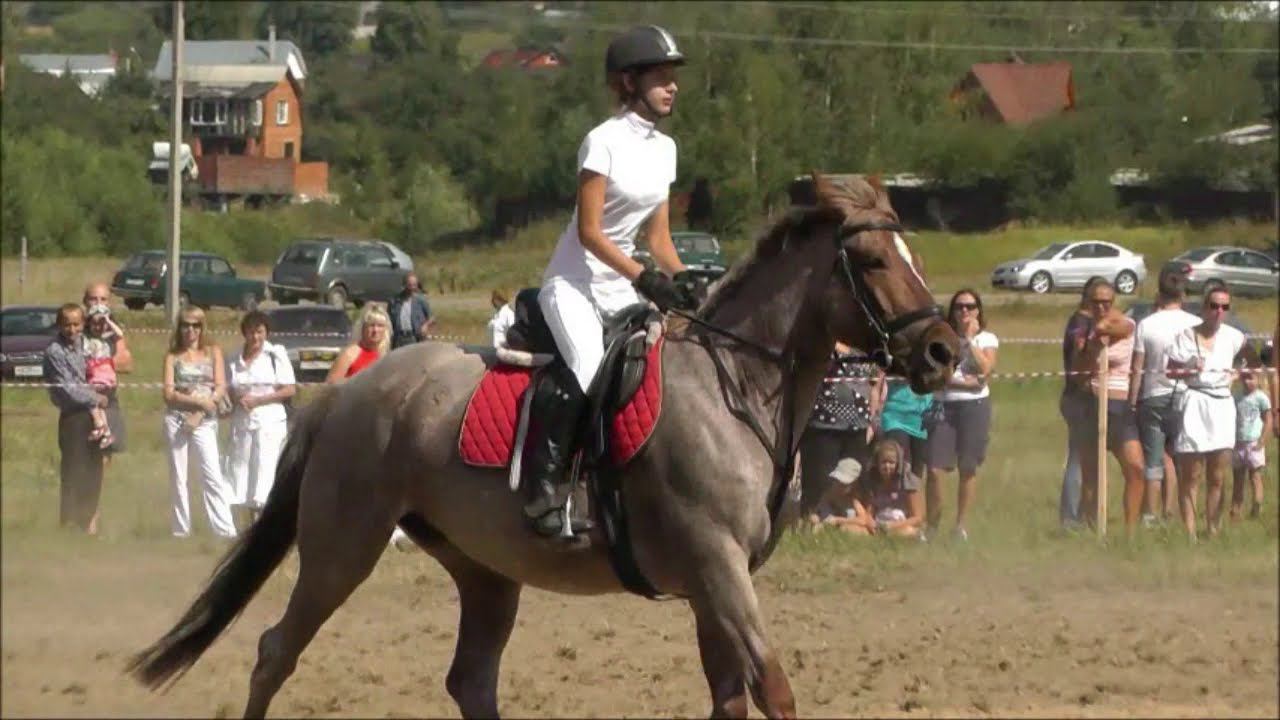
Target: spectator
(194, 385)
(1253, 425)
(959, 439)
(374, 342)
(1112, 333)
(1155, 395)
(1074, 406)
(100, 369)
(81, 463)
(261, 382)
(504, 317)
(887, 494)
(1205, 357)
(837, 442)
(122, 360)
(1275, 380)
(410, 314)
(902, 421)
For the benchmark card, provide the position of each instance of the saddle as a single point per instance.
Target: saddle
(623, 406)
(623, 402)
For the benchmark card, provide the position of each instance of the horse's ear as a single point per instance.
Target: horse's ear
(874, 182)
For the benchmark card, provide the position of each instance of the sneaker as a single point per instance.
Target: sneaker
(960, 534)
(1150, 521)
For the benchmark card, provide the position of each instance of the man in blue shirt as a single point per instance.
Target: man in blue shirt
(410, 314)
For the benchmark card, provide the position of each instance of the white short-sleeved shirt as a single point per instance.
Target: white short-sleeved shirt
(500, 323)
(1215, 362)
(1153, 338)
(260, 378)
(968, 366)
(640, 164)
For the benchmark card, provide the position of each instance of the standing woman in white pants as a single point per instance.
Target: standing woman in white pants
(193, 385)
(625, 170)
(261, 380)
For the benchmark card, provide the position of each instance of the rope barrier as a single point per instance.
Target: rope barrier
(1034, 375)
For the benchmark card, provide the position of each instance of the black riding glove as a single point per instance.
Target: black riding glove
(654, 286)
(692, 288)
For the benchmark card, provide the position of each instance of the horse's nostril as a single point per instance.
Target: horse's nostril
(938, 354)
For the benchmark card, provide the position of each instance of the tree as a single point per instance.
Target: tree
(414, 29)
(319, 28)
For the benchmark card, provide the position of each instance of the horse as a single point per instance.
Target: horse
(740, 381)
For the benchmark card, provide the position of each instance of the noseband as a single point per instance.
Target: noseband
(883, 327)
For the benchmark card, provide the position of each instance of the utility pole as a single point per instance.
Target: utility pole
(175, 170)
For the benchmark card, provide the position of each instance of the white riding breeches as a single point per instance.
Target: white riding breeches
(576, 322)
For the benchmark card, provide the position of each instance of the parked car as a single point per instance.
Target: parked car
(1068, 265)
(25, 332)
(699, 251)
(1243, 271)
(333, 271)
(313, 335)
(205, 280)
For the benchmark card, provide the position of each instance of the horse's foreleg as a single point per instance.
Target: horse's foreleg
(723, 668)
(733, 646)
(333, 561)
(488, 613)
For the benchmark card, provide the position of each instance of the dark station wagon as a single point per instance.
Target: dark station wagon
(205, 280)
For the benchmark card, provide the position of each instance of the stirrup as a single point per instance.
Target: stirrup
(551, 524)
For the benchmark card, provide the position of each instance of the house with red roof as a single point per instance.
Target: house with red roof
(1015, 93)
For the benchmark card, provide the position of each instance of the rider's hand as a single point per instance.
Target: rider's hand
(660, 289)
(694, 291)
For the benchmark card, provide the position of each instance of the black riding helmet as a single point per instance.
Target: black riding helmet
(642, 47)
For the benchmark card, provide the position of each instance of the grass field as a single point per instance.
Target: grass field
(1156, 626)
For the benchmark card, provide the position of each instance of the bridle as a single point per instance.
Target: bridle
(883, 327)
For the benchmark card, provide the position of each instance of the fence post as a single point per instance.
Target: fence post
(1101, 489)
(22, 270)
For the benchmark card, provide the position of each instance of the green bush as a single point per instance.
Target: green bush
(434, 204)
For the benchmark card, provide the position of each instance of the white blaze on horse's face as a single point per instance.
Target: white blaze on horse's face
(905, 253)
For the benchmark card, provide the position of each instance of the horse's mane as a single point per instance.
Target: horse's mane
(838, 201)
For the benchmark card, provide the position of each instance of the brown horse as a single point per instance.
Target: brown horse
(382, 450)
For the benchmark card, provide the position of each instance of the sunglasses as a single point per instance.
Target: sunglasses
(191, 325)
(966, 306)
(1220, 306)
(1102, 301)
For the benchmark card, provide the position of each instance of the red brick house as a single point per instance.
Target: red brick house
(243, 119)
(1015, 93)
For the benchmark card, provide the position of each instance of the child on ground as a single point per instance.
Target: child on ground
(100, 368)
(887, 496)
(1253, 423)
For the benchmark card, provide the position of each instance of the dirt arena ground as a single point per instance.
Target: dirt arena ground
(1020, 643)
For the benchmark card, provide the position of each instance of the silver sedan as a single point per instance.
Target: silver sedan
(1243, 271)
(1068, 265)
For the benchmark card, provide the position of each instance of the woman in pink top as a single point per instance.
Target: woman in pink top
(1114, 332)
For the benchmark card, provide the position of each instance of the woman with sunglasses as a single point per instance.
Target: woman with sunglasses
(1206, 357)
(1112, 332)
(194, 386)
(959, 438)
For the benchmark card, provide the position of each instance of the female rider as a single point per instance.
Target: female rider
(625, 170)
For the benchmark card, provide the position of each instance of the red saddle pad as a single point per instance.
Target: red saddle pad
(489, 426)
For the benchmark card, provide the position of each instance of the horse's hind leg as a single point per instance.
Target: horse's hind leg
(732, 643)
(488, 613)
(333, 561)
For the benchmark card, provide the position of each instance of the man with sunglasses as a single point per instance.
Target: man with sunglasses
(1205, 357)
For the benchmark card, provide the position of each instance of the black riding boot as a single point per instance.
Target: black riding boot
(556, 412)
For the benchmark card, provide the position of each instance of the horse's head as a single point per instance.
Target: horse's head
(877, 299)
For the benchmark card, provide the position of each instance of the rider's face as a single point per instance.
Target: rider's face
(657, 87)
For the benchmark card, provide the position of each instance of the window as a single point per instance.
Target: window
(208, 112)
(282, 112)
(1230, 259)
(256, 113)
(1258, 261)
(1049, 252)
(1079, 252)
(1105, 251)
(145, 261)
(357, 258)
(197, 266)
(288, 149)
(378, 258)
(218, 266)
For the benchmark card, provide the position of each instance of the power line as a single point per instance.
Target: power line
(861, 8)
(892, 44)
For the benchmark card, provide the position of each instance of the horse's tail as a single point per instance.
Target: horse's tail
(244, 568)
